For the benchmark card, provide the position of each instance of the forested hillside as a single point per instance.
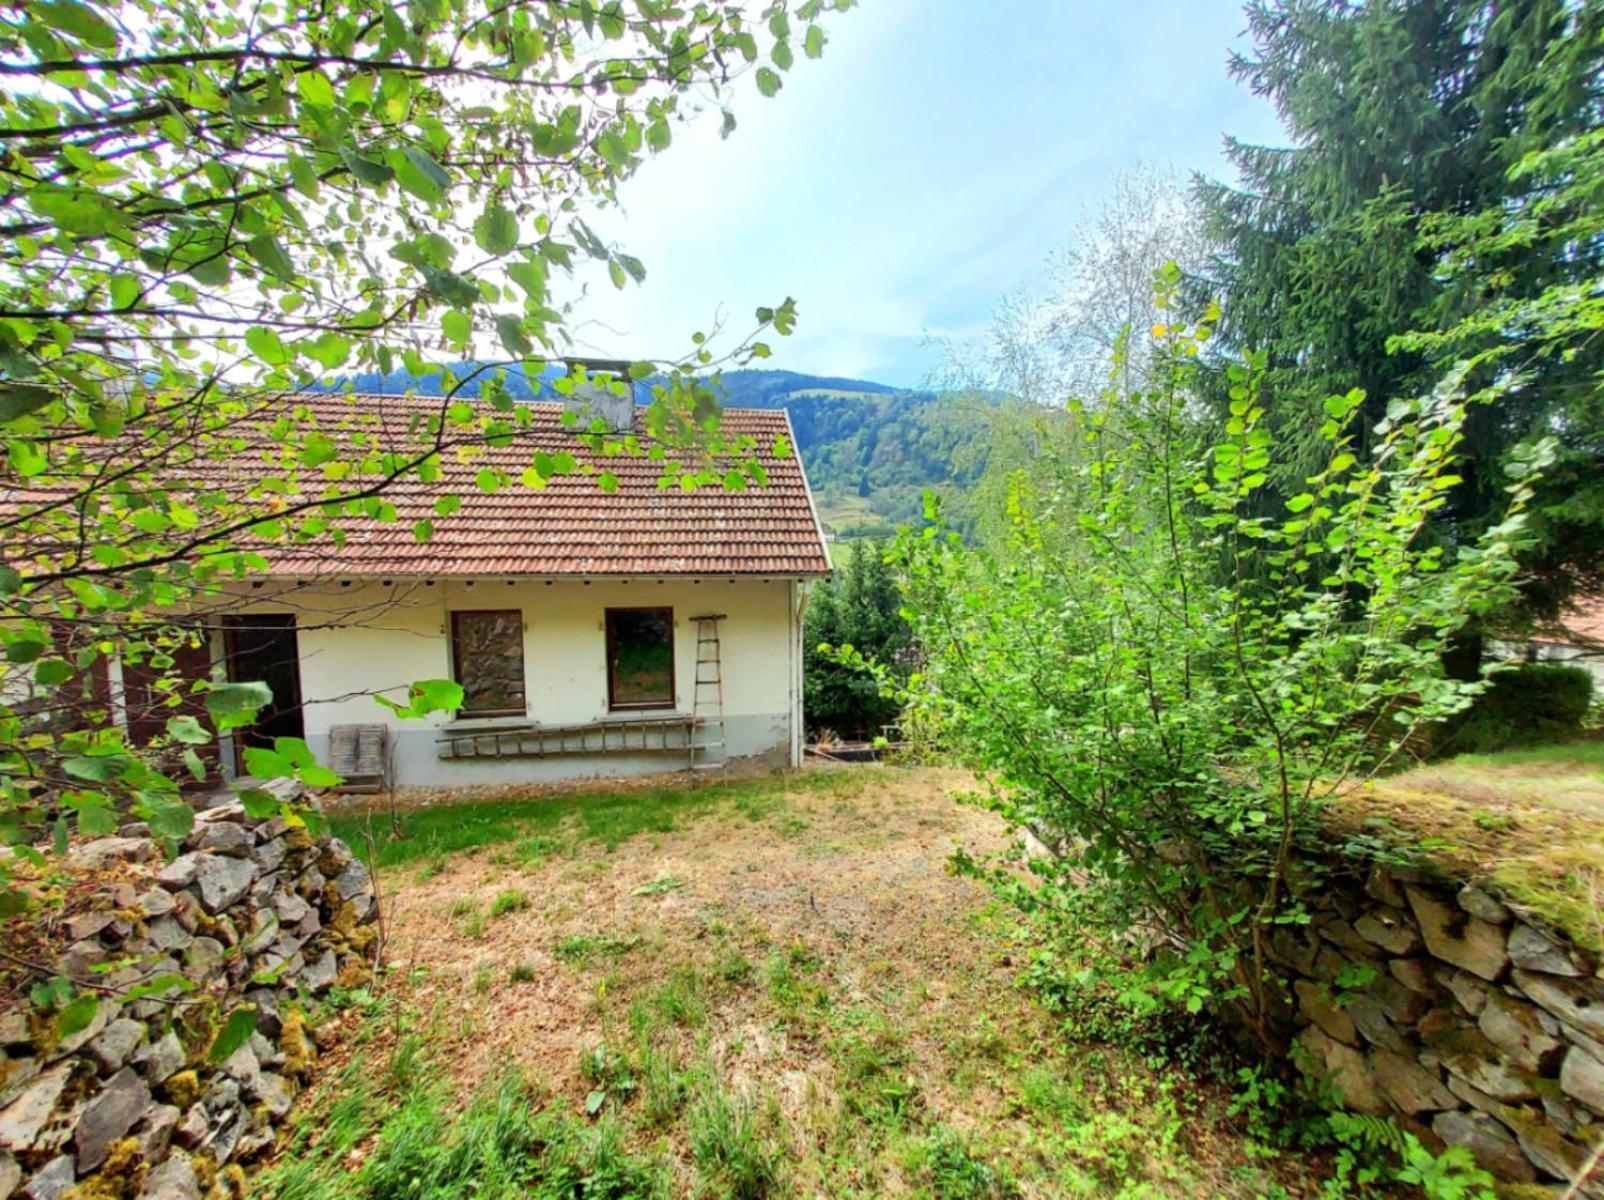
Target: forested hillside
(871, 450)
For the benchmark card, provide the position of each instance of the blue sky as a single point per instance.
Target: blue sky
(927, 164)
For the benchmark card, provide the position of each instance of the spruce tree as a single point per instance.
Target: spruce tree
(1404, 114)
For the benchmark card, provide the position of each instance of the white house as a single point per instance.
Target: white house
(594, 632)
(1576, 639)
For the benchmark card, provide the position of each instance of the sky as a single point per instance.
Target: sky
(924, 167)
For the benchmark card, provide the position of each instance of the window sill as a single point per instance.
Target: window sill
(488, 721)
(644, 710)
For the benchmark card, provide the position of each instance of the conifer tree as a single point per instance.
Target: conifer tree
(1403, 114)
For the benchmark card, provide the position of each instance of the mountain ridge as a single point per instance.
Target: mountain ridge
(871, 449)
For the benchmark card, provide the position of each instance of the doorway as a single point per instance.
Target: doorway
(263, 648)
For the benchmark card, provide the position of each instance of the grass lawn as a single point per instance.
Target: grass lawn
(763, 988)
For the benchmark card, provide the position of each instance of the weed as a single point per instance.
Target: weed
(610, 1075)
(580, 949)
(531, 850)
(659, 887)
(874, 1061)
(429, 870)
(473, 925)
(732, 969)
(521, 972)
(462, 906)
(954, 1173)
(680, 999)
(482, 979)
(729, 1151)
(501, 1146)
(664, 1088)
(510, 901)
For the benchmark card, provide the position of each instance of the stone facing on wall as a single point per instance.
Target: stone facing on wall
(1469, 1022)
(251, 913)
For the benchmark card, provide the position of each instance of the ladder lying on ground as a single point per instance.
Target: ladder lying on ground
(708, 751)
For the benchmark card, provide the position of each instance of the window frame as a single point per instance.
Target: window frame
(614, 704)
(466, 713)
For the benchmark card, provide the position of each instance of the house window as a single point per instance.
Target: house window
(640, 657)
(487, 658)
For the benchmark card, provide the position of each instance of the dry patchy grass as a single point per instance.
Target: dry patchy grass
(1530, 823)
(778, 990)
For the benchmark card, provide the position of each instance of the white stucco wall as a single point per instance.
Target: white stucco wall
(368, 637)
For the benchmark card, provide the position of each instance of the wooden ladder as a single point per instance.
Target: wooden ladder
(708, 751)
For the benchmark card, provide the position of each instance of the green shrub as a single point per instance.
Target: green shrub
(1525, 705)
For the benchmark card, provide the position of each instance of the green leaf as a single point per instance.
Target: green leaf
(451, 288)
(512, 336)
(295, 751)
(232, 705)
(124, 290)
(188, 730)
(267, 764)
(421, 175)
(259, 803)
(269, 252)
(330, 349)
(496, 230)
(813, 42)
(367, 170)
(25, 649)
(77, 20)
(768, 81)
(318, 776)
(170, 818)
(436, 695)
(235, 1033)
(313, 87)
(102, 769)
(20, 399)
(75, 211)
(77, 1015)
(52, 672)
(457, 325)
(266, 345)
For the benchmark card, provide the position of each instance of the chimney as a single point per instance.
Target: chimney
(591, 401)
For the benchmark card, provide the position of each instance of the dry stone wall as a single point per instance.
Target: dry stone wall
(1471, 1023)
(255, 915)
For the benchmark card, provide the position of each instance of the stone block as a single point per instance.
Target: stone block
(1455, 936)
(1573, 1002)
(112, 1113)
(1531, 951)
(1513, 1026)
(1390, 930)
(1489, 1141)
(221, 880)
(53, 1180)
(1345, 1068)
(1482, 906)
(1410, 1087)
(1582, 1078)
(26, 1118)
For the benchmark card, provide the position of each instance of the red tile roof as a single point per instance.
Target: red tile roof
(571, 526)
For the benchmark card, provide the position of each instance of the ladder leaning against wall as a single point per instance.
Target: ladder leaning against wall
(707, 739)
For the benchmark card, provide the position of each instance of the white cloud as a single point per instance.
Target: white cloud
(925, 165)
